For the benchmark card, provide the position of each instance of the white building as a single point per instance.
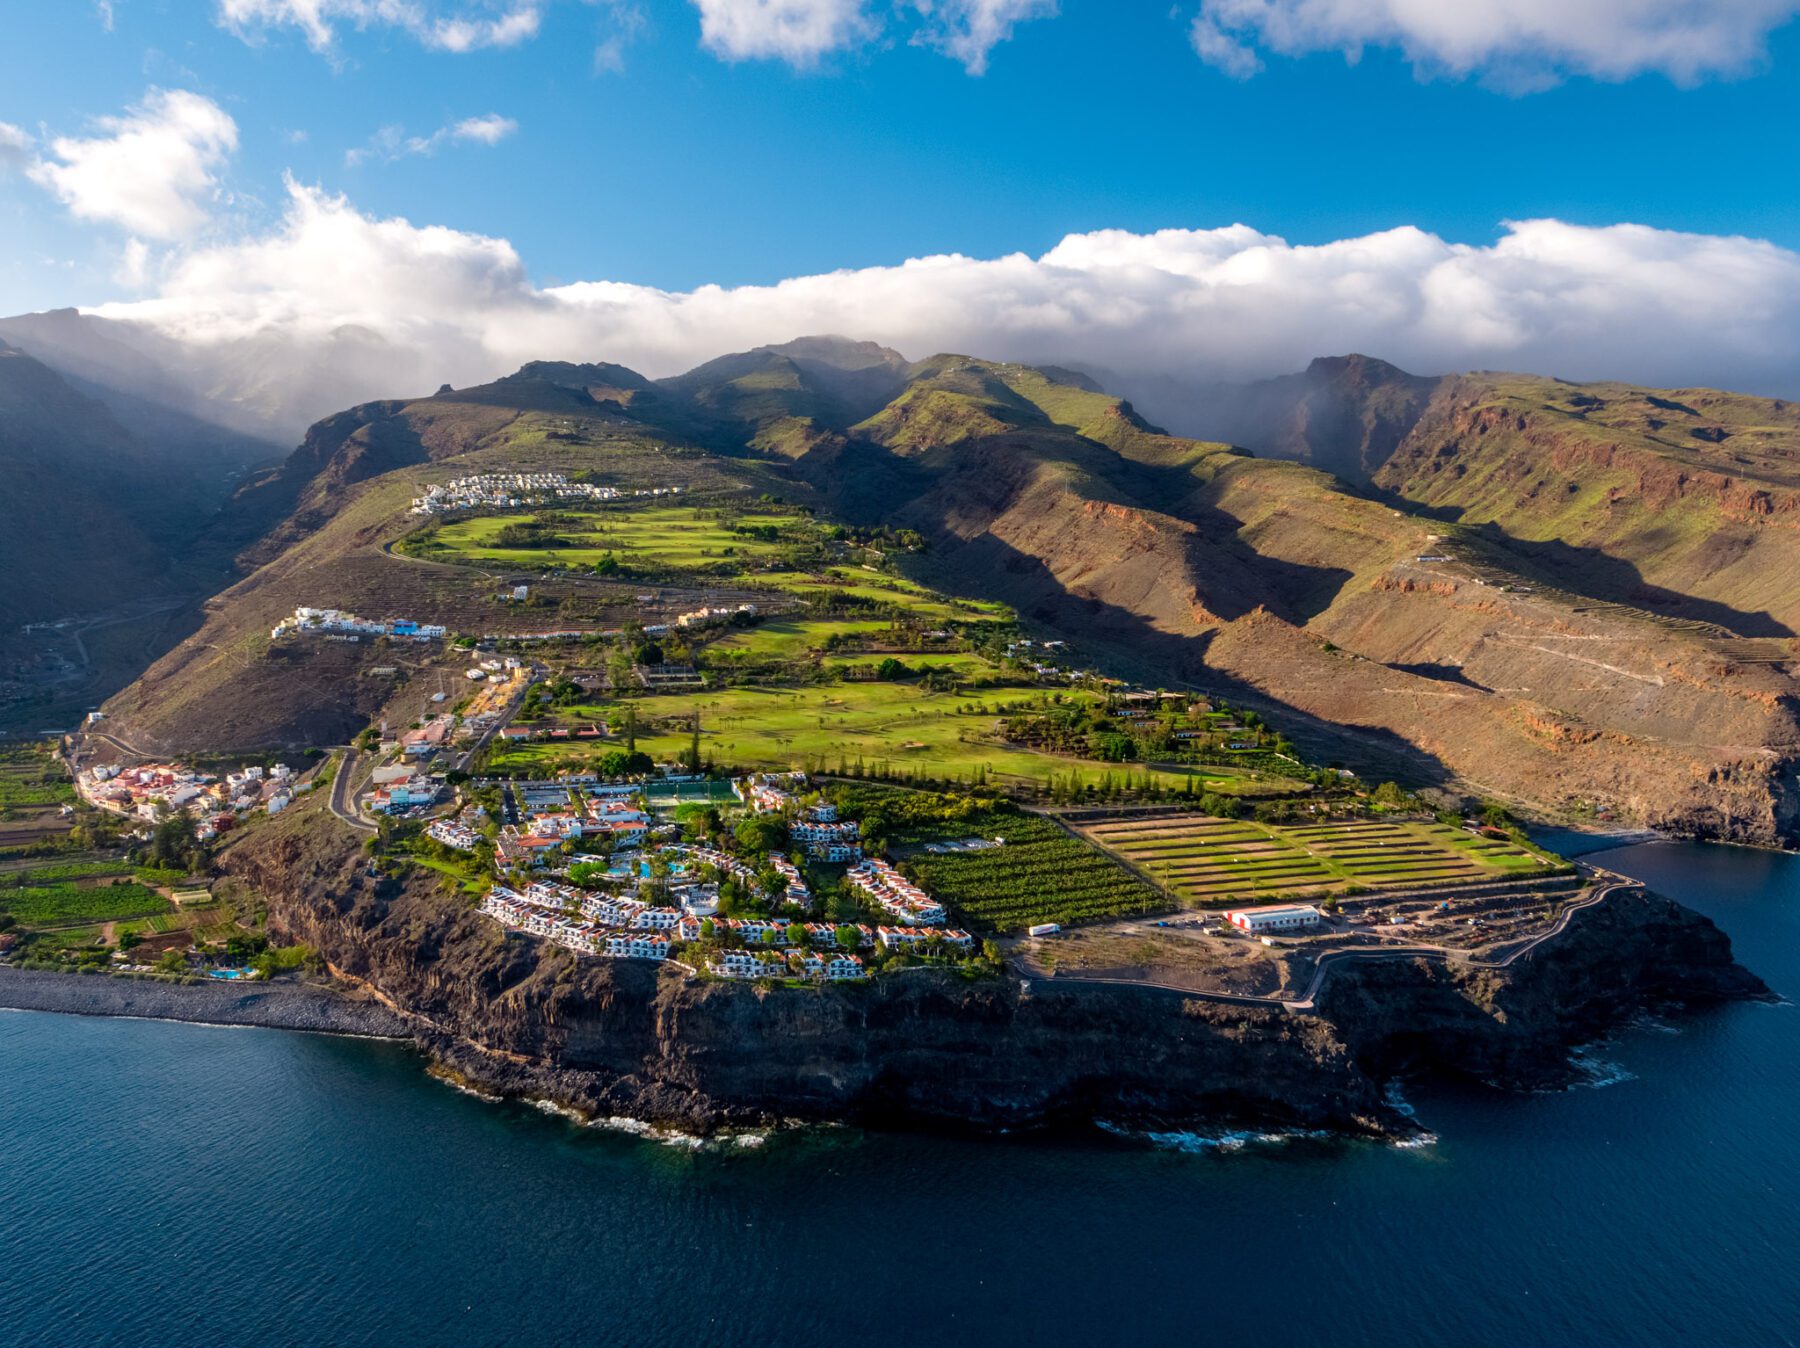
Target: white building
(452, 834)
(745, 964)
(1279, 917)
(828, 841)
(637, 946)
(905, 938)
(796, 892)
(895, 894)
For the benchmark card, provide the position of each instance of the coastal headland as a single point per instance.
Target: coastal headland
(934, 1047)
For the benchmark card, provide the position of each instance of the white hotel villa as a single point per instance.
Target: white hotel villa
(895, 894)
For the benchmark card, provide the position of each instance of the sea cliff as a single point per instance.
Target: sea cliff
(520, 1017)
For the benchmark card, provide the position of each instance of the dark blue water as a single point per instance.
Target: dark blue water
(166, 1184)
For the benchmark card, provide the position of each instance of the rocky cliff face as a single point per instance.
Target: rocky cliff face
(1345, 414)
(926, 1048)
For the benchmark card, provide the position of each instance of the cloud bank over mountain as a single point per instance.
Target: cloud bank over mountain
(428, 304)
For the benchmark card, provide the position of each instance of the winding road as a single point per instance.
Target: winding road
(342, 801)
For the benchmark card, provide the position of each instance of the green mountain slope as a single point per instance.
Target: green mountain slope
(1418, 640)
(1680, 501)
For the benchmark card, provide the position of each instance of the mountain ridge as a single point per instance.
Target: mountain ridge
(1163, 557)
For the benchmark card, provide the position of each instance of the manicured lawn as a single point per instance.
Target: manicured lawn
(791, 638)
(651, 537)
(881, 589)
(897, 725)
(677, 539)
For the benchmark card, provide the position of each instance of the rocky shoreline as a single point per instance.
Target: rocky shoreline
(516, 1017)
(275, 1006)
(508, 1018)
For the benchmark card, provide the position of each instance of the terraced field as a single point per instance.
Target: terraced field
(1208, 861)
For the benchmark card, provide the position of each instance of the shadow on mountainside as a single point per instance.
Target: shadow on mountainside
(1594, 574)
(1127, 645)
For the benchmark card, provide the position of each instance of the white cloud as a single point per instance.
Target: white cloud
(801, 32)
(1518, 43)
(134, 265)
(104, 8)
(624, 22)
(1624, 301)
(155, 171)
(392, 142)
(15, 148)
(488, 130)
(796, 31)
(969, 29)
(467, 28)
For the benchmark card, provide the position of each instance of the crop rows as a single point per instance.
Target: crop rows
(55, 905)
(1041, 874)
(1214, 860)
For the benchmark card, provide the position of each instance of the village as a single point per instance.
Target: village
(507, 491)
(335, 624)
(152, 792)
(589, 868)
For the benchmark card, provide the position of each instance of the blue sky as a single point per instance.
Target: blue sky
(683, 168)
(444, 172)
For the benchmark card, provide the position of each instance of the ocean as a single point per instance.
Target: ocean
(168, 1184)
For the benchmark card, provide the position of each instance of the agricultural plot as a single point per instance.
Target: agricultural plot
(55, 905)
(31, 777)
(1038, 874)
(1209, 861)
(15, 876)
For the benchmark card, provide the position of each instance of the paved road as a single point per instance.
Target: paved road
(1308, 1000)
(342, 805)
